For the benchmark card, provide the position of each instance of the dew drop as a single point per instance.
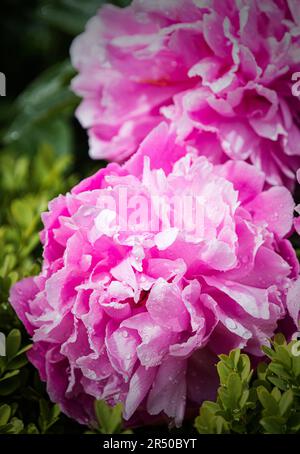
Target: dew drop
(230, 324)
(146, 358)
(246, 335)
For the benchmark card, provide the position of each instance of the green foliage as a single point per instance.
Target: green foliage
(109, 419)
(267, 403)
(43, 112)
(27, 186)
(69, 16)
(49, 415)
(9, 424)
(14, 387)
(12, 373)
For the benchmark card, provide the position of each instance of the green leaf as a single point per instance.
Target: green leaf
(21, 212)
(279, 339)
(213, 407)
(32, 429)
(262, 371)
(281, 384)
(223, 372)
(8, 386)
(267, 401)
(13, 343)
(47, 99)
(234, 356)
(23, 350)
(286, 402)
(276, 394)
(17, 363)
(55, 411)
(70, 16)
(44, 415)
(279, 370)
(17, 425)
(221, 425)
(246, 368)
(208, 423)
(9, 375)
(234, 388)
(283, 356)
(272, 425)
(109, 418)
(268, 351)
(5, 413)
(296, 364)
(244, 398)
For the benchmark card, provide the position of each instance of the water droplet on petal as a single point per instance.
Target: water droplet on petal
(230, 324)
(146, 358)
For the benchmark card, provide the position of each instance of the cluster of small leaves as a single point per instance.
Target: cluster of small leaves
(12, 364)
(26, 186)
(265, 402)
(27, 183)
(44, 110)
(15, 388)
(109, 420)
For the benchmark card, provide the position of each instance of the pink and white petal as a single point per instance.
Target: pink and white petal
(140, 383)
(274, 207)
(168, 393)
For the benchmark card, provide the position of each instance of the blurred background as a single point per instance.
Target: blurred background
(35, 36)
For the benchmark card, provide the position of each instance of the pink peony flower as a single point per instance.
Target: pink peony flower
(221, 72)
(134, 314)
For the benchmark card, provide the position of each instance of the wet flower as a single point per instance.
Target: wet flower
(138, 314)
(221, 72)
